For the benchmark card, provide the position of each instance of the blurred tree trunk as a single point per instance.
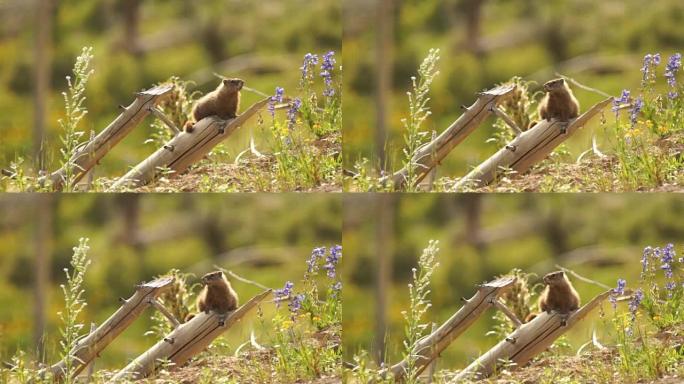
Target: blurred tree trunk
(41, 86)
(129, 206)
(472, 203)
(43, 243)
(556, 40)
(472, 10)
(131, 17)
(384, 232)
(384, 68)
(214, 40)
(556, 235)
(214, 233)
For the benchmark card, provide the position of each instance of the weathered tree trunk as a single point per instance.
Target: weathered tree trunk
(527, 341)
(473, 13)
(130, 10)
(41, 62)
(472, 205)
(128, 205)
(90, 346)
(90, 154)
(384, 68)
(185, 341)
(43, 243)
(384, 238)
(432, 345)
(527, 149)
(429, 155)
(185, 149)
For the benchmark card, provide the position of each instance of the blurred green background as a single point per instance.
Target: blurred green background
(484, 42)
(484, 235)
(141, 42)
(136, 237)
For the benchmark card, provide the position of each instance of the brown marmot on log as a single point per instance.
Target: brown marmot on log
(217, 295)
(559, 102)
(559, 295)
(223, 102)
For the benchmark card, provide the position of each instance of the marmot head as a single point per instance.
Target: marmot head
(212, 277)
(233, 85)
(554, 277)
(554, 85)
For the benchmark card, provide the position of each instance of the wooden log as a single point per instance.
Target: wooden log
(431, 154)
(185, 149)
(429, 347)
(90, 346)
(90, 154)
(527, 341)
(527, 149)
(185, 341)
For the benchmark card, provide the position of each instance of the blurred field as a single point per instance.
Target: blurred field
(481, 236)
(482, 43)
(136, 237)
(140, 43)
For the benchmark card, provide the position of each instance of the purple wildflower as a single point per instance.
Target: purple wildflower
(636, 108)
(336, 288)
(667, 256)
(618, 291)
(644, 259)
(292, 112)
(327, 67)
(636, 301)
(284, 293)
(276, 98)
(671, 68)
(332, 260)
(650, 61)
(668, 253)
(624, 99)
(296, 304)
(647, 65)
(310, 60)
(674, 63)
(316, 254)
(656, 59)
(667, 267)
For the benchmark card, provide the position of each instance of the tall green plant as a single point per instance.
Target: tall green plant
(418, 99)
(419, 292)
(73, 306)
(74, 113)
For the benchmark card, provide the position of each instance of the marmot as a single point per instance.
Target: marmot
(559, 295)
(559, 102)
(217, 296)
(223, 102)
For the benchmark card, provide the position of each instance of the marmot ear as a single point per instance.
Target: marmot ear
(226, 82)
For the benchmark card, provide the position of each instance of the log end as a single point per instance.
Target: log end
(158, 283)
(157, 90)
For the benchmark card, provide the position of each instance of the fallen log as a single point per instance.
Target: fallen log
(90, 346)
(527, 149)
(185, 341)
(428, 348)
(527, 341)
(428, 156)
(185, 149)
(88, 155)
